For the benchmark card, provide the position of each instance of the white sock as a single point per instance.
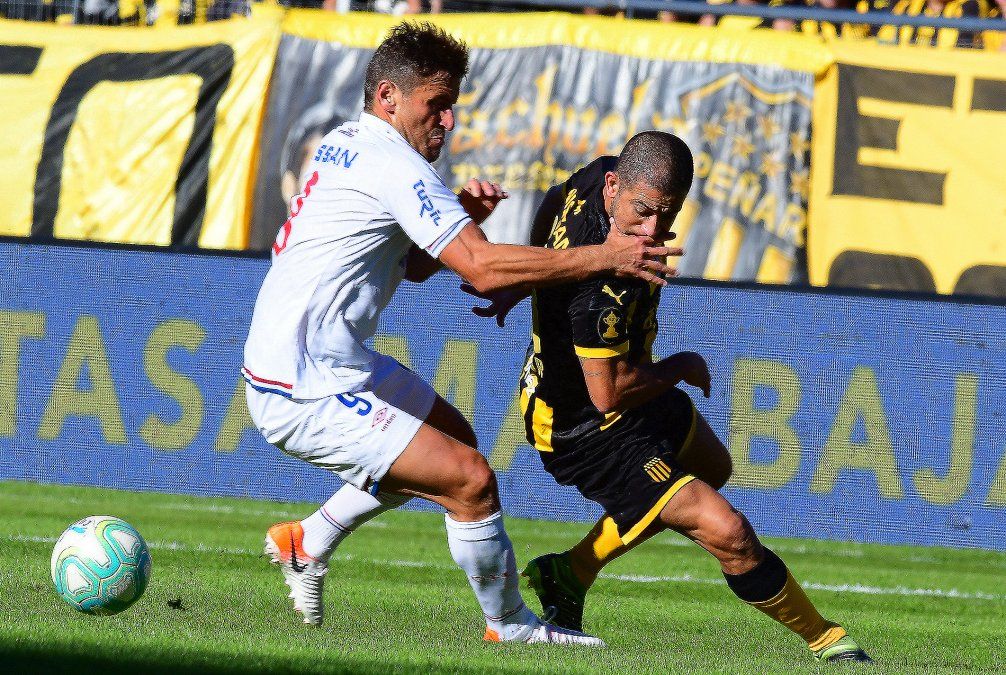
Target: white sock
(346, 510)
(483, 550)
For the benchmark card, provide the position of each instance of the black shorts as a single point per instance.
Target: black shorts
(630, 468)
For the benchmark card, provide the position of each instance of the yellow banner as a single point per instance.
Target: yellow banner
(548, 93)
(132, 135)
(908, 190)
(624, 37)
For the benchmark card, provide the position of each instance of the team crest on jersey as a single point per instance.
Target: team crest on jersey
(657, 469)
(609, 325)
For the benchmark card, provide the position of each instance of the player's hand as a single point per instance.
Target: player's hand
(500, 302)
(639, 257)
(480, 197)
(692, 369)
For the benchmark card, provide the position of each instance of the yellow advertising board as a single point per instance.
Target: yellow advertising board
(908, 190)
(132, 135)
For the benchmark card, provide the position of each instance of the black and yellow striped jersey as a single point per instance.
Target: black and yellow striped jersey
(927, 35)
(827, 29)
(600, 318)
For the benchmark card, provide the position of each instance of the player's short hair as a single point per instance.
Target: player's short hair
(412, 52)
(659, 159)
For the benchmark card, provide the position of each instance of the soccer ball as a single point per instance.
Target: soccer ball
(100, 565)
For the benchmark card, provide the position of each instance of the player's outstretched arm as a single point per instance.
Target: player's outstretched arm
(492, 267)
(615, 384)
(479, 198)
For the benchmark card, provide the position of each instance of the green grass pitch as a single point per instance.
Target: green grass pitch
(395, 602)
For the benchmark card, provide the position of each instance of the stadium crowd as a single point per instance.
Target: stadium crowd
(151, 12)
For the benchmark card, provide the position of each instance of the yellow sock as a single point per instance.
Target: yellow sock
(604, 541)
(792, 608)
(601, 545)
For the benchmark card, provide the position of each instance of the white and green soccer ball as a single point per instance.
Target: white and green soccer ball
(100, 565)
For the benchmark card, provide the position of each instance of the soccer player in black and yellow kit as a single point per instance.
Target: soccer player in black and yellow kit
(610, 421)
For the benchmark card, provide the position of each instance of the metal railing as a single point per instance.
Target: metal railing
(140, 12)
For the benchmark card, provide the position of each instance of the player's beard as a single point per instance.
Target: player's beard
(433, 148)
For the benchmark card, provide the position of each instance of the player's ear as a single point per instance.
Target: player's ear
(610, 184)
(386, 95)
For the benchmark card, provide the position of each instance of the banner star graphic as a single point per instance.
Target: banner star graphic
(743, 147)
(770, 166)
(800, 183)
(799, 144)
(736, 112)
(680, 126)
(769, 128)
(711, 132)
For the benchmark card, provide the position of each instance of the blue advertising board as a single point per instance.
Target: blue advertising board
(851, 418)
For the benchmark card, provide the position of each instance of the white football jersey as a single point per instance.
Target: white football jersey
(339, 258)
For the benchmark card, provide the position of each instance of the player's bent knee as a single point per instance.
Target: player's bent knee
(477, 490)
(733, 538)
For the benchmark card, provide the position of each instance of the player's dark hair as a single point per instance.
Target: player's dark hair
(413, 52)
(659, 159)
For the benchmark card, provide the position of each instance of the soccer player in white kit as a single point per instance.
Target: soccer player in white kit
(372, 212)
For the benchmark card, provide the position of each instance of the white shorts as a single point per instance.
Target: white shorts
(358, 436)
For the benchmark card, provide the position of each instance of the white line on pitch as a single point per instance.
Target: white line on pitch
(226, 508)
(859, 589)
(836, 588)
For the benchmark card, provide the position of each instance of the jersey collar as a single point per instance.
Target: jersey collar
(376, 125)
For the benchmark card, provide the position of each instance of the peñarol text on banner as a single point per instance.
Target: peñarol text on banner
(908, 191)
(545, 97)
(133, 135)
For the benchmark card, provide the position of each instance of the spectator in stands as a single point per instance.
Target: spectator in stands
(700, 19)
(36, 10)
(200, 11)
(116, 12)
(995, 40)
(735, 21)
(416, 7)
(825, 29)
(927, 35)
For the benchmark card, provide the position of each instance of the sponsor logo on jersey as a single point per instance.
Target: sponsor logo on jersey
(607, 291)
(425, 203)
(379, 417)
(334, 154)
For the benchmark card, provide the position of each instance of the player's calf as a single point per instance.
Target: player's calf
(754, 572)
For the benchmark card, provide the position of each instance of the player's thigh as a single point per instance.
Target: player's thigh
(704, 456)
(702, 514)
(448, 420)
(439, 467)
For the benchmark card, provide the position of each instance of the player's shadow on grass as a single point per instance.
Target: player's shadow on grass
(50, 660)
(58, 660)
